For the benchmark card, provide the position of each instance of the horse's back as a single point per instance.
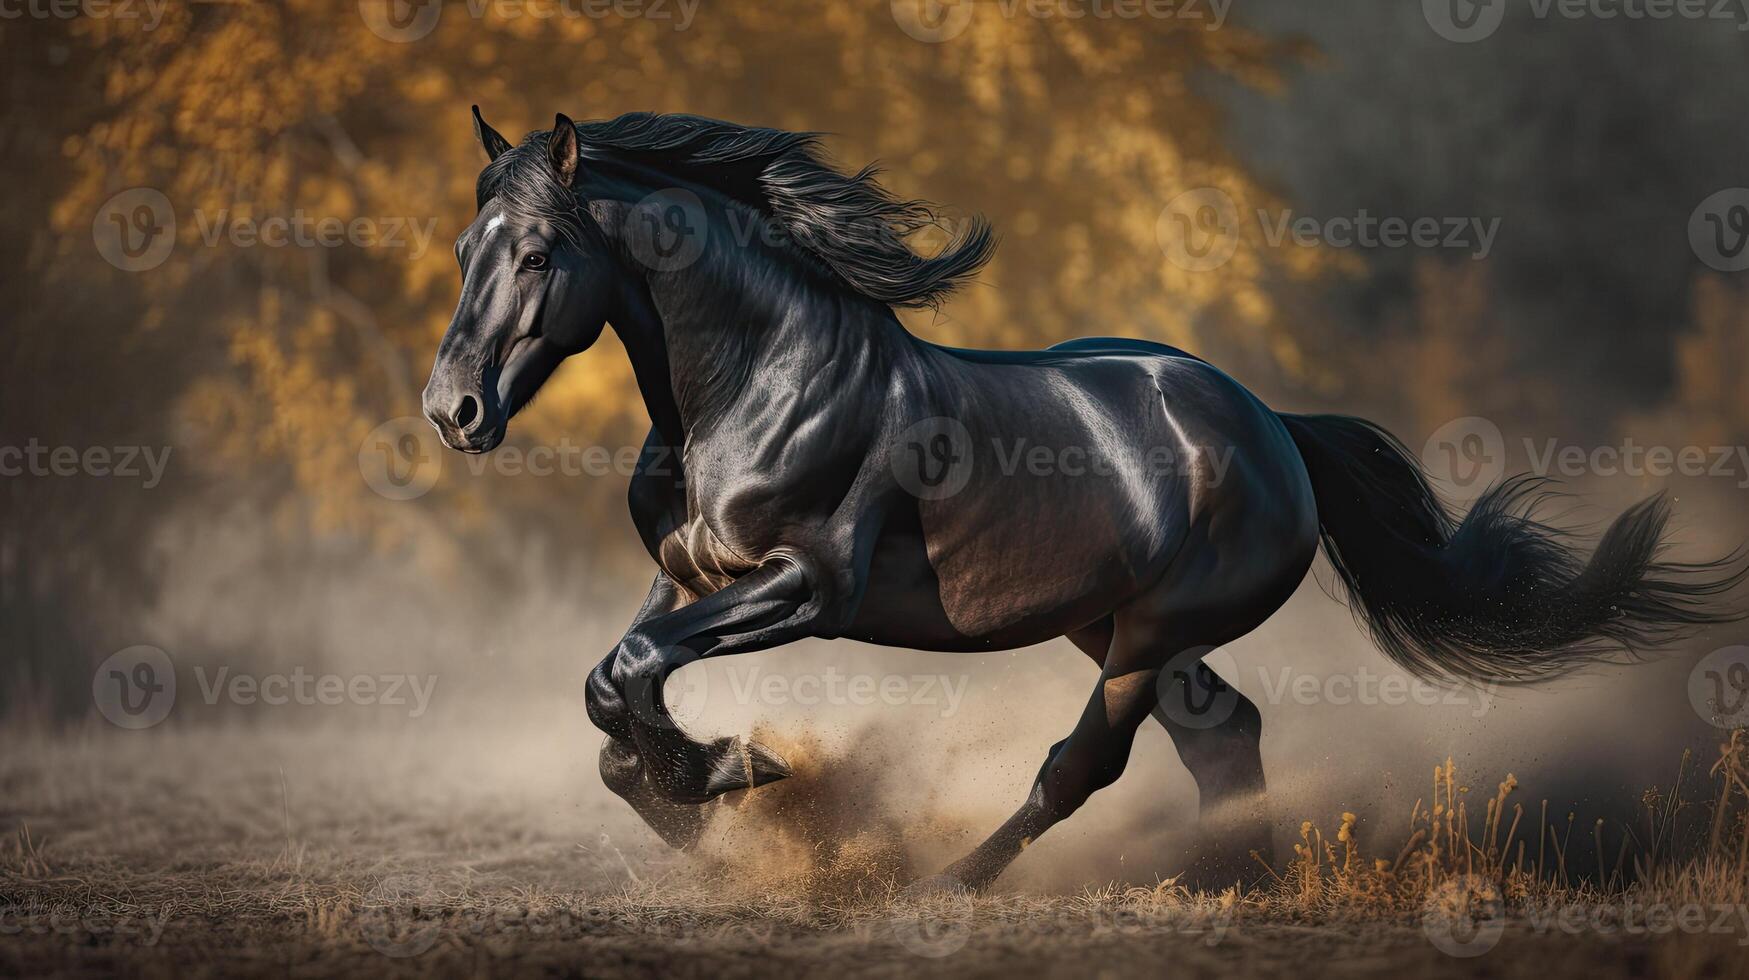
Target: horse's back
(1088, 468)
(1068, 350)
(1116, 345)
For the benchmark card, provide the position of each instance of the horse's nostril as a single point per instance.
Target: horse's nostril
(467, 412)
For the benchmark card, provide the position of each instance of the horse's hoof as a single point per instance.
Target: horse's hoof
(936, 887)
(692, 773)
(745, 764)
(678, 825)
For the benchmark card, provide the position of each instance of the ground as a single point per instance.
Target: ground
(239, 851)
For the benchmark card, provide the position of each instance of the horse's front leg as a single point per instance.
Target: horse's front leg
(622, 767)
(775, 603)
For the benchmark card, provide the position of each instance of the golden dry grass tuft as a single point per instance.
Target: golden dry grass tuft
(1525, 857)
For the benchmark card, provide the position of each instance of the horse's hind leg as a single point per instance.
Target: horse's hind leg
(1091, 758)
(1218, 733)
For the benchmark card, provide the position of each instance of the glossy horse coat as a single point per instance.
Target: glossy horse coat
(814, 470)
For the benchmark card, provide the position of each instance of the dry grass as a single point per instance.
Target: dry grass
(1525, 857)
(270, 856)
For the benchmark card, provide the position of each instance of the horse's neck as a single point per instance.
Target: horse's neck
(712, 339)
(640, 332)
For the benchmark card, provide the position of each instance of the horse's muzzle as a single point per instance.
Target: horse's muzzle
(464, 420)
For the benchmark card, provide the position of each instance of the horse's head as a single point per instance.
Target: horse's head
(536, 282)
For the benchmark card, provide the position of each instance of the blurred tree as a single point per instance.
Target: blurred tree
(267, 366)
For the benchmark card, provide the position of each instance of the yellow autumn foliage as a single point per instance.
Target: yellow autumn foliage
(1072, 134)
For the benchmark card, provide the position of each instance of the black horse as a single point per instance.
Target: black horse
(814, 470)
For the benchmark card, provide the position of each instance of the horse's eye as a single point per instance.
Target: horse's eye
(534, 260)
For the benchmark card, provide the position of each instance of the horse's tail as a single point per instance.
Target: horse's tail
(1497, 596)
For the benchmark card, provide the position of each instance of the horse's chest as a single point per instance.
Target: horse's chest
(697, 560)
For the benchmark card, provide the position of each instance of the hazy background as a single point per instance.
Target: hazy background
(263, 371)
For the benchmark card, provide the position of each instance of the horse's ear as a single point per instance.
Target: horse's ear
(489, 138)
(562, 149)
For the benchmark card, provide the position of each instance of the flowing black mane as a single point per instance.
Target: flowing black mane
(848, 222)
